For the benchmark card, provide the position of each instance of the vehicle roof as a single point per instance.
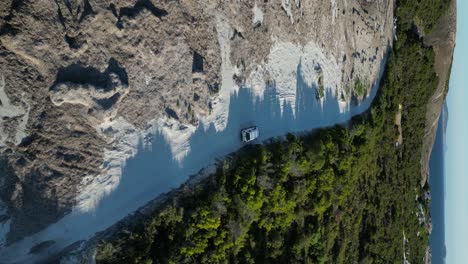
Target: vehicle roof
(253, 131)
(250, 128)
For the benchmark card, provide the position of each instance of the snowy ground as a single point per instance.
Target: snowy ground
(177, 152)
(7, 111)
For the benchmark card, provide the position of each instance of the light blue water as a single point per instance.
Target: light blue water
(456, 158)
(436, 182)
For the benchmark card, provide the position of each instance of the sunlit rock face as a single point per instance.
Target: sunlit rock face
(83, 83)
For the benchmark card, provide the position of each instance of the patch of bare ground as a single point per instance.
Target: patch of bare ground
(399, 137)
(442, 39)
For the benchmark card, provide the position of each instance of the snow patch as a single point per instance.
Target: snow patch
(298, 4)
(257, 80)
(21, 129)
(124, 138)
(343, 105)
(220, 102)
(147, 79)
(258, 16)
(7, 111)
(177, 135)
(334, 9)
(4, 226)
(287, 8)
(282, 66)
(4, 229)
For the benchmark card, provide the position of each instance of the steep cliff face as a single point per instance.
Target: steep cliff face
(442, 39)
(83, 81)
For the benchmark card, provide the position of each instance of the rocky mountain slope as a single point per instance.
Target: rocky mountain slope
(82, 82)
(442, 38)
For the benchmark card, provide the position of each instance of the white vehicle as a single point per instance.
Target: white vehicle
(249, 134)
